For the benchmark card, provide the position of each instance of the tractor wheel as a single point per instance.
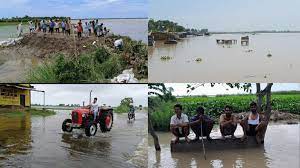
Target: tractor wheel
(91, 129)
(106, 122)
(66, 125)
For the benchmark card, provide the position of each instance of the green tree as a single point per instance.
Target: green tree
(165, 94)
(125, 104)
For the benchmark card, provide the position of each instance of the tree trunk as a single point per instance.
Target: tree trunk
(153, 134)
(259, 98)
(268, 102)
(260, 94)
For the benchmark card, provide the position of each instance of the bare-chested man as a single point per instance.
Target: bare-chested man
(228, 122)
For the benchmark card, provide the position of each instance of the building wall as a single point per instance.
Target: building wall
(11, 96)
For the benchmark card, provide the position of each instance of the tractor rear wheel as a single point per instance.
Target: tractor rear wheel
(106, 122)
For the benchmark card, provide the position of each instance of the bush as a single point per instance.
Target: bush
(43, 73)
(112, 67)
(95, 67)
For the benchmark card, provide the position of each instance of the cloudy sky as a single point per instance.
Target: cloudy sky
(230, 15)
(109, 94)
(221, 89)
(75, 8)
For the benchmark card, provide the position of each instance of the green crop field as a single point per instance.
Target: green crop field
(162, 111)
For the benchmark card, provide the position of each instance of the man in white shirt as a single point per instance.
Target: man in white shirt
(95, 108)
(179, 124)
(254, 124)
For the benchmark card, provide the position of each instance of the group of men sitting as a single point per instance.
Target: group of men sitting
(253, 124)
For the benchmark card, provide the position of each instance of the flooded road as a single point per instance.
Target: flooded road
(281, 149)
(39, 142)
(227, 63)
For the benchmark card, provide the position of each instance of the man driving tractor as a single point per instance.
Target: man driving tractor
(95, 108)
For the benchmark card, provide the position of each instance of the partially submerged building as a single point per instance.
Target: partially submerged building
(15, 95)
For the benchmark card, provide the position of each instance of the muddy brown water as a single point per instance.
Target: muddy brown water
(39, 142)
(281, 149)
(227, 63)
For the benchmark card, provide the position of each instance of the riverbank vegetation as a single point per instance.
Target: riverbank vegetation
(164, 25)
(27, 18)
(169, 26)
(161, 110)
(6, 112)
(90, 61)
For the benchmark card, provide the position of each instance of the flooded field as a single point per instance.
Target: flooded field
(227, 63)
(39, 142)
(281, 149)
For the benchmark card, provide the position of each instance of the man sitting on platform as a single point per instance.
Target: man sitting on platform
(228, 122)
(179, 124)
(254, 124)
(207, 124)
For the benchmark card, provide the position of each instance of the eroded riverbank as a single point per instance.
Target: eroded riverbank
(36, 56)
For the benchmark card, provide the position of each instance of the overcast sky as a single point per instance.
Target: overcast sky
(219, 89)
(109, 94)
(230, 15)
(75, 8)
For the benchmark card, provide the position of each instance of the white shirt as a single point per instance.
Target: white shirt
(94, 107)
(253, 122)
(183, 119)
(118, 42)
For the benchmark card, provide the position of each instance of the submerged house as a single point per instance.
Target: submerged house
(15, 95)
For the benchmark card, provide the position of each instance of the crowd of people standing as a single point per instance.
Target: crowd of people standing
(86, 29)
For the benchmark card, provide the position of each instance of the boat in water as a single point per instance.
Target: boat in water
(170, 42)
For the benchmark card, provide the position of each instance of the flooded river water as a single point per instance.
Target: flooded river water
(281, 149)
(39, 142)
(227, 63)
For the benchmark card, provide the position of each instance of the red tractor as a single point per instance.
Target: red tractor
(83, 118)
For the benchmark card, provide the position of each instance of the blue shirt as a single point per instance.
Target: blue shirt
(63, 25)
(52, 24)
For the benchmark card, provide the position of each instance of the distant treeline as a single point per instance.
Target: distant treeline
(166, 25)
(29, 18)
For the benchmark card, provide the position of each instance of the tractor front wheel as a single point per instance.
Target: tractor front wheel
(67, 125)
(91, 129)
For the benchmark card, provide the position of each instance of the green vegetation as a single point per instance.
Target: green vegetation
(98, 65)
(21, 112)
(29, 18)
(161, 111)
(164, 25)
(124, 106)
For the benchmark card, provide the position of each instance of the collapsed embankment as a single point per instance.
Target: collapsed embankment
(45, 48)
